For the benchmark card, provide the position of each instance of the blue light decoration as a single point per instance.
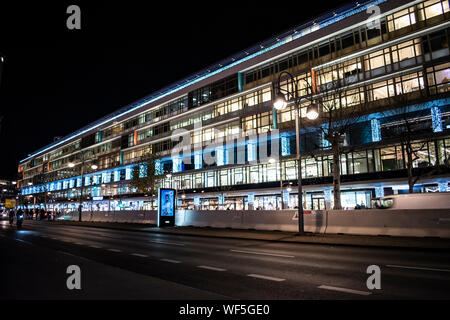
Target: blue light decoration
(379, 192)
(116, 175)
(159, 168)
(177, 164)
(376, 130)
(251, 198)
(240, 81)
(87, 181)
(95, 179)
(71, 183)
(78, 182)
(96, 192)
(128, 173)
(198, 160)
(286, 196)
(142, 171)
(436, 119)
(327, 194)
(325, 143)
(443, 186)
(285, 146)
(106, 177)
(220, 156)
(221, 199)
(251, 151)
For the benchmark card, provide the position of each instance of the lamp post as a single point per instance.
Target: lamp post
(283, 96)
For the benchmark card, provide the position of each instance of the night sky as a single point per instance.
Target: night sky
(55, 80)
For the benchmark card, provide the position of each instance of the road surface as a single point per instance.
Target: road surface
(117, 264)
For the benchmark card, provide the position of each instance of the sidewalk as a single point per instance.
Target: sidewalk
(277, 236)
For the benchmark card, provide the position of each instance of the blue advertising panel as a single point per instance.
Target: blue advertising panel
(166, 207)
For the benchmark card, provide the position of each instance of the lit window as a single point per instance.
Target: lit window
(433, 8)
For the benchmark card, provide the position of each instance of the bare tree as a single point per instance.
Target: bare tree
(340, 109)
(413, 137)
(145, 177)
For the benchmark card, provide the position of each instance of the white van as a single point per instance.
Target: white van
(431, 200)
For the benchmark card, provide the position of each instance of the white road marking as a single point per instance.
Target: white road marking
(94, 246)
(361, 293)
(263, 253)
(259, 276)
(139, 255)
(211, 268)
(417, 268)
(165, 242)
(170, 260)
(115, 250)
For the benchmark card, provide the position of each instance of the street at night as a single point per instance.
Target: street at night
(225, 159)
(119, 264)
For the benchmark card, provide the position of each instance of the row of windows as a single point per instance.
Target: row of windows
(425, 153)
(365, 161)
(437, 76)
(421, 12)
(400, 56)
(239, 103)
(363, 36)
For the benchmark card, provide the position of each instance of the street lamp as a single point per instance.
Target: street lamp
(312, 112)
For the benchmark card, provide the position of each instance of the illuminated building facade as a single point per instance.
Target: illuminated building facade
(400, 55)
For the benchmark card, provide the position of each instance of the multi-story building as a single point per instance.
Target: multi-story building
(396, 64)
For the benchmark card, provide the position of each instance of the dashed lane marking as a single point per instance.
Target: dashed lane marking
(170, 260)
(259, 276)
(139, 255)
(346, 290)
(417, 268)
(211, 268)
(263, 253)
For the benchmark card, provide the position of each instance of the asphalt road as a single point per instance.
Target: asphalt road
(118, 264)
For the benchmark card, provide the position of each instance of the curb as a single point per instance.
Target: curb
(310, 242)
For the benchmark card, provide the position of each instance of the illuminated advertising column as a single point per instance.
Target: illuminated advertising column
(166, 207)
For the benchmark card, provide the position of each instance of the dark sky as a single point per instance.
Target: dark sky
(56, 80)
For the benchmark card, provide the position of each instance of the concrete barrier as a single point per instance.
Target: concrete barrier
(215, 219)
(412, 223)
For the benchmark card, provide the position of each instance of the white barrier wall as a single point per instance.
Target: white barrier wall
(114, 216)
(414, 223)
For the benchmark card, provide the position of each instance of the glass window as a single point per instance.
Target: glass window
(401, 19)
(432, 8)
